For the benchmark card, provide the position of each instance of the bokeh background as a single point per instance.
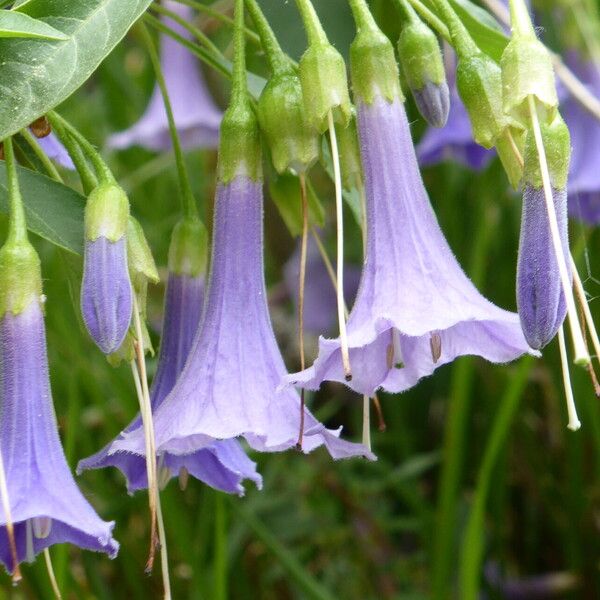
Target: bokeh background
(347, 530)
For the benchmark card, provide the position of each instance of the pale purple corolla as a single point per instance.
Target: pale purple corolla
(46, 505)
(415, 309)
(54, 149)
(222, 465)
(229, 385)
(196, 115)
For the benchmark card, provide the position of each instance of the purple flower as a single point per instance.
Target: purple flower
(584, 175)
(222, 465)
(196, 116)
(454, 141)
(106, 295)
(540, 298)
(53, 148)
(415, 309)
(46, 505)
(228, 387)
(319, 294)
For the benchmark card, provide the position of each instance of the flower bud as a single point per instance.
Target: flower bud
(106, 295)
(324, 85)
(423, 67)
(188, 252)
(139, 256)
(293, 141)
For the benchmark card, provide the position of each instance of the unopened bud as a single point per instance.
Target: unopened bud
(188, 251)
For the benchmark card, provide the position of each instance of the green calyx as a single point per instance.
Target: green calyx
(512, 163)
(420, 56)
(373, 67)
(106, 213)
(20, 277)
(527, 71)
(188, 252)
(293, 142)
(324, 86)
(351, 167)
(557, 146)
(239, 145)
(139, 256)
(479, 83)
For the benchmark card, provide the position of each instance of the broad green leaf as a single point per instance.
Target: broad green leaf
(285, 193)
(35, 76)
(54, 211)
(484, 29)
(16, 25)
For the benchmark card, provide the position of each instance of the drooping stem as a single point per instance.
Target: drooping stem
(51, 575)
(519, 18)
(461, 39)
(41, 155)
(432, 20)
(340, 249)
(581, 355)
(301, 283)
(10, 530)
(314, 30)
(17, 227)
(188, 201)
(239, 92)
(362, 15)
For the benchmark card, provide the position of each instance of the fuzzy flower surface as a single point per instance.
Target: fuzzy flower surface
(196, 115)
(415, 309)
(229, 385)
(46, 505)
(222, 465)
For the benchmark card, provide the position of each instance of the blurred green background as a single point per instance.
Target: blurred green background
(349, 530)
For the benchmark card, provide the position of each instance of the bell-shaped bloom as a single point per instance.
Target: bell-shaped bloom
(106, 294)
(196, 115)
(222, 465)
(54, 149)
(415, 309)
(228, 387)
(540, 298)
(584, 174)
(454, 141)
(320, 308)
(46, 506)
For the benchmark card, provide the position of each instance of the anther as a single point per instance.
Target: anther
(435, 343)
(184, 476)
(41, 527)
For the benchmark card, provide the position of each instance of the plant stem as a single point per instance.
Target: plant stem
(41, 155)
(17, 226)
(220, 591)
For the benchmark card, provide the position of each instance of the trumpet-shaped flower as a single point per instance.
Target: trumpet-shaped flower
(415, 309)
(222, 465)
(228, 387)
(196, 115)
(46, 506)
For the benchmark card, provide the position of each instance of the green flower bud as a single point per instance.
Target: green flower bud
(20, 277)
(373, 66)
(293, 142)
(420, 56)
(351, 167)
(509, 159)
(188, 252)
(527, 71)
(239, 145)
(106, 213)
(139, 256)
(324, 85)
(557, 146)
(479, 83)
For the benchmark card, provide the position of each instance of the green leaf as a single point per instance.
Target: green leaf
(285, 193)
(54, 211)
(16, 25)
(37, 75)
(484, 29)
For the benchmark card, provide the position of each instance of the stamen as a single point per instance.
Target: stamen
(574, 423)
(302, 279)
(398, 358)
(163, 474)
(435, 343)
(340, 249)
(42, 526)
(51, 574)
(29, 553)
(380, 420)
(581, 355)
(580, 291)
(10, 530)
(366, 430)
(184, 476)
(389, 353)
